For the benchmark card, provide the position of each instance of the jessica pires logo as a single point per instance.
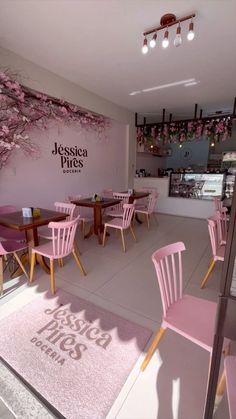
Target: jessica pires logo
(71, 158)
(60, 337)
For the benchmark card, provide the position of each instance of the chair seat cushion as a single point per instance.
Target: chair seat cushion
(199, 322)
(115, 213)
(11, 246)
(115, 223)
(220, 252)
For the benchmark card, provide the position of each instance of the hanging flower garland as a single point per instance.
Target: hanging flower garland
(213, 129)
(22, 109)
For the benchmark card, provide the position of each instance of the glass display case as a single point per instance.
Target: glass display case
(197, 185)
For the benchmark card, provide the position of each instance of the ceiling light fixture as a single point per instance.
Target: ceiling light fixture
(165, 42)
(145, 47)
(153, 41)
(178, 39)
(191, 33)
(166, 21)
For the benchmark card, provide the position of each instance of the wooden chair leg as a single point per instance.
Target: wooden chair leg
(32, 266)
(76, 247)
(132, 231)
(153, 347)
(207, 274)
(148, 224)
(123, 240)
(104, 235)
(79, 262)
(1, 275)
(61, 262)
(52, 277)
(21, 264)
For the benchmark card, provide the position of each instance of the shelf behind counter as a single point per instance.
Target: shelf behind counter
(186, 207)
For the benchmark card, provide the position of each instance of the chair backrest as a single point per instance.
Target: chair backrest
(66, 208)
(214, 234)
(168, 265)
(152, 200)
(124, 200)
(63, 236)
(218, 204)
(128, 214)
(7, 209)
(107, 193)
(222, 223)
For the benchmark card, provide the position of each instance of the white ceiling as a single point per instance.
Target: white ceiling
(97, 44)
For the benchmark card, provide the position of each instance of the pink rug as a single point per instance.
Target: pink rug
(75, 354)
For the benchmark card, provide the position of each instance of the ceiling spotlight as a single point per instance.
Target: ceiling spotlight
(145, 47)
(191, 33)
(178, 39)
(165, 42)
(153, 41)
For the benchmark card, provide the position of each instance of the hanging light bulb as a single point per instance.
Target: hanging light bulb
(191, 33)
(145, 47)
(181, 145)
(178, 39)
(165, 42)
(212, 144)
(153, 41)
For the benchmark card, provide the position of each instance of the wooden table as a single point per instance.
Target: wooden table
(98, 226)
(16, 221)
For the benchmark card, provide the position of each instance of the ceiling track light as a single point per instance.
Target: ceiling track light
(166, 21)
(191, 33)
(153, 41)
(145, 47)
(178, 39)
(165, 42)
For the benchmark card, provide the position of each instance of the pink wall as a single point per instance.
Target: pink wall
(38, 183)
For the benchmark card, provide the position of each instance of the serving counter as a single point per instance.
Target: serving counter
(183, 206)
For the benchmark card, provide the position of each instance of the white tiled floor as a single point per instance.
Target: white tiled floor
(173, 385)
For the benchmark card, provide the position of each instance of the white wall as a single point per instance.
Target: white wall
(40, 182)
(110, 162)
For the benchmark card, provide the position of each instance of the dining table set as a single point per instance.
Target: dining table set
(42, 217)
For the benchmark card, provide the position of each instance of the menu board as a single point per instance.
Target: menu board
(197, 185)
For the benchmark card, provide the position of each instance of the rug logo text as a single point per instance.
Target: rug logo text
(60, 338)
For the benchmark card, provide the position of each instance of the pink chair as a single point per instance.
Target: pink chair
(218, 204)
(191, 317)
(10, 247)
(222, 220)
(230, 375)
(218, 249)
(65, 208)
(148, 209)
(117, 210)
(61, 245)
(85, 216)
(121, 224)
(9, 233)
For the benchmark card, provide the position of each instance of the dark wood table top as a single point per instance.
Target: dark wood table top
(18, 222)
(87, 202)
(139, 195)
